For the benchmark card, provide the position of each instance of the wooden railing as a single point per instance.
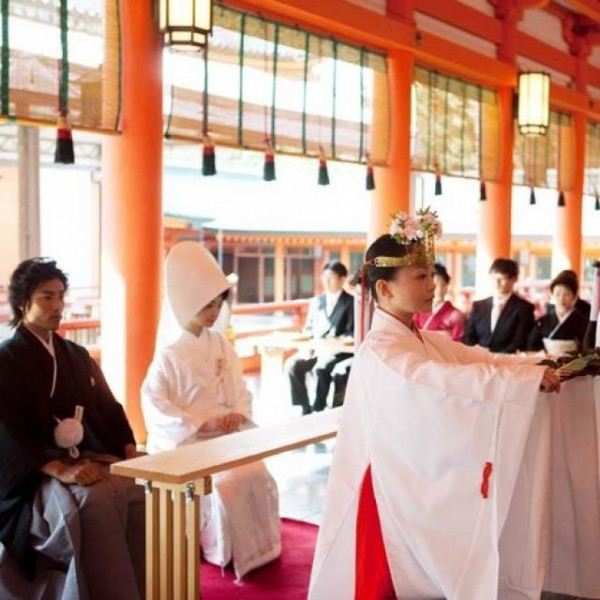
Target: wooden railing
(175, 480)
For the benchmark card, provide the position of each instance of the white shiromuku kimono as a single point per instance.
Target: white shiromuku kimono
(427, 416)
(191, 382)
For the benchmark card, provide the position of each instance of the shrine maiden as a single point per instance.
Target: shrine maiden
(430, 445)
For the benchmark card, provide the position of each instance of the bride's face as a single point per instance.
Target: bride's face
(207, 316)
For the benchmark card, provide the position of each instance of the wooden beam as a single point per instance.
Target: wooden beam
(532, 48)
(463, 17)
(589, 8)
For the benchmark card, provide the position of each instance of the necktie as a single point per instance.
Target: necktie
(496, 310)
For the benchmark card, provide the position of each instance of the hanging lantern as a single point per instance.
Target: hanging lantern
(534, 103)
(185, 24)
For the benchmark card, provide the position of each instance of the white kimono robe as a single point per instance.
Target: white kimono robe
(189, 384)
(427, 417)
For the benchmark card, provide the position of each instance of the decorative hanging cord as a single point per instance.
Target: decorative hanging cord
(241, 82)
(532, 176)
(323, 178)
(370, 180)
(482, 190)
(305, 90)
(209, 158)
(334, 98)
(463, 121)
(561, 194)
(596, 131)
(269, 164)
(5, 81)
(436, 164)
(64, 152)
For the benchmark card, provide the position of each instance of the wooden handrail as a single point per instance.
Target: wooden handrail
(175, 480)
(202, 459)
(269, 307)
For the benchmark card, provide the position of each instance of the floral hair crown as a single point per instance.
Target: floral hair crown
(417, 234)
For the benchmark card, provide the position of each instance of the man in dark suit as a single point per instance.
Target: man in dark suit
(502, 322)
(329, 315)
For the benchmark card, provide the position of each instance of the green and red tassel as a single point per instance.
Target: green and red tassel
(269, 166)
(370, 182)
(323, 173)
(561, 199)
(64, 152)
(209, 163)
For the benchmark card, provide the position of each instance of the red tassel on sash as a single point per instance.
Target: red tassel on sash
(485, 482)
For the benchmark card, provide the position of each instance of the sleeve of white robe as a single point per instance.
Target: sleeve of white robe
(239, 399)
(168, 425)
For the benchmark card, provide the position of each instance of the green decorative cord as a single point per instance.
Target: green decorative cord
(274, 90)
(241, 99)
(334, 98)
(4, 82)
(120, 69)
(63, 100)
(463, 129)
(205, 93)
(429, 117)
(362, 107)
(170, 117)
(305, 91)
(445, 152)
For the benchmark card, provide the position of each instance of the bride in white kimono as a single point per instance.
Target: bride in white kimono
(429, 449)
(193, 391)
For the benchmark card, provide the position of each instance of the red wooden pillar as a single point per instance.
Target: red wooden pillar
(132, 215)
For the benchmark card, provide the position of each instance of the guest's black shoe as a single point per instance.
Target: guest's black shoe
(306, 410)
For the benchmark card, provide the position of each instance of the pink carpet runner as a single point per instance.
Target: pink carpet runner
(287, 577)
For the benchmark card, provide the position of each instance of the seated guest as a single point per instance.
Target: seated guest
(502, 322)
(444, 316)
(329, 315)
(582, 306)
(73, 529)
(565, 322)
(194, 390)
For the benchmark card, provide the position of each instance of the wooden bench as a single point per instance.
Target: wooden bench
(175, 480)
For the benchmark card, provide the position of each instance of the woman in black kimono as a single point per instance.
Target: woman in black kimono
(563, 323)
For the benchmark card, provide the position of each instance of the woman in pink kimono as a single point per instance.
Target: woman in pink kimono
(430, 447)
(443, 316)
(194, 390)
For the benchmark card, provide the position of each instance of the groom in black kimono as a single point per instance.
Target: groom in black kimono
(329, 315)
(59, 505)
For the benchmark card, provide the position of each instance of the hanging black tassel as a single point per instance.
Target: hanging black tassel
(532, 196)
(561, 199)
(438, 184)
(597, 201)
(269, 167)
(370, 183)
(323, 174)
(209, 164)
(64, 152)
(482, 191)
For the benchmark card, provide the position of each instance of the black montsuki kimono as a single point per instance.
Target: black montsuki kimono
(27, 421)
(572, 328)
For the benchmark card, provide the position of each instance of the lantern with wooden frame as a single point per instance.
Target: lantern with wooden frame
(185, 24)
(533, 116)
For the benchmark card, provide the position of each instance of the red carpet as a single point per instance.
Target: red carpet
(287, 577)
